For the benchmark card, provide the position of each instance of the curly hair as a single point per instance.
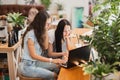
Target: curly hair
(38, 25)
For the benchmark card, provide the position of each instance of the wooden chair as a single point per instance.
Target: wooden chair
(21, 77)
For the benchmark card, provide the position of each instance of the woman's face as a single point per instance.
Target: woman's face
(48, 22)
(67, 30)
(32, 14)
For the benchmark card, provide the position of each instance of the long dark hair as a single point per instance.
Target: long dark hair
(59, 34)
(38, 25)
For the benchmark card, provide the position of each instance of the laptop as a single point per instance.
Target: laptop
(76, 55)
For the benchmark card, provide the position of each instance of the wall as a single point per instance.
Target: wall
(68, 5)
(37, 2)
(8, 1)
(27, 2)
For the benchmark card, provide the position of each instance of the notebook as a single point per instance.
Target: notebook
(76, 55)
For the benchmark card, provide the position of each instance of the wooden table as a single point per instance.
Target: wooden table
(77, 32)
(12, 58)
(75, 73)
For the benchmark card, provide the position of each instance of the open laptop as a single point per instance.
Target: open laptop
(76, 55)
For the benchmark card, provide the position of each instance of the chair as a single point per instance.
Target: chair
(21, 77)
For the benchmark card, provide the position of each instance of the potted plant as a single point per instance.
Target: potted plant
(99, 70)
(106, 36)
(46, 3)
(60, 8)
(17, 21)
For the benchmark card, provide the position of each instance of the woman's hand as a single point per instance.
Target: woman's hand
(67, 31)
(66, 34)
(58, 61)
(65, 56)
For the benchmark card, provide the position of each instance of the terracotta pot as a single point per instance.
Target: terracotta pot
(90, 23)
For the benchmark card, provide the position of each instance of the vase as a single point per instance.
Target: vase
(113, 76)
(16, 30)
(97, 78)
(61, 13)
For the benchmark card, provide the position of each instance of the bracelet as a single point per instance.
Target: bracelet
(50, 59)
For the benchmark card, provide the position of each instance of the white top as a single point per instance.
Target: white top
(51, 36)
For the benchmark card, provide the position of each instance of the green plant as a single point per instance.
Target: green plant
(85, 38)
(46, 3)
(16, 19)
(59, 6)
(98, 69)
(106, 36)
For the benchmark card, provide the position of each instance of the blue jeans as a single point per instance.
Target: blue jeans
(38, 69)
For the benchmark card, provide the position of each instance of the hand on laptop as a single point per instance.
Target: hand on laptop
(58, 61)
(76, 63)
(65, 56)
(83, 61)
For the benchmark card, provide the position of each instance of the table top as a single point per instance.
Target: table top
(5, 48)
(80, 31)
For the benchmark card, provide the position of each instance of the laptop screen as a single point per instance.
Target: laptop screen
(78, 54)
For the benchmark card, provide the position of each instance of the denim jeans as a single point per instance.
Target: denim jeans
(38, 69)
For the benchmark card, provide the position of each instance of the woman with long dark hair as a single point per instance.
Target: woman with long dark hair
(34, 43)
(59, 39)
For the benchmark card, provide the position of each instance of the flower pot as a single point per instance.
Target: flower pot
(110, 76)
(113, 76)
(16, 30)
(97, 78)
(90, 23)
(61, 13)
